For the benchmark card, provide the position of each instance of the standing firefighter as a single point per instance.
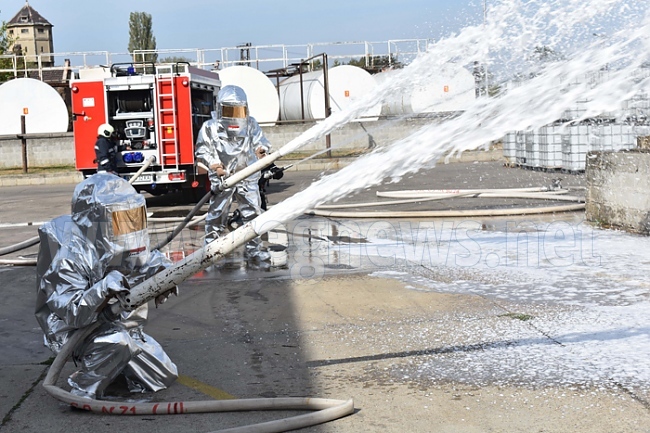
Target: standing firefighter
(85, 261)
(228, 142)
(106, 149)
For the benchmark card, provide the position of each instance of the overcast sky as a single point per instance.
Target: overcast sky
(83, 25)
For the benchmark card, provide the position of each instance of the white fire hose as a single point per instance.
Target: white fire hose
(417, 196)
(145, 166)
(326, 409)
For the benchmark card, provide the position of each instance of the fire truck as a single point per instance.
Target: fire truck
(156, 110)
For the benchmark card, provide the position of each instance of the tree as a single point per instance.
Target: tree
(377, 63)
(5, 43)
(544, 54)
(141, 36)
(175, 59)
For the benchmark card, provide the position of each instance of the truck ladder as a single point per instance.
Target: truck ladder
(167, 119)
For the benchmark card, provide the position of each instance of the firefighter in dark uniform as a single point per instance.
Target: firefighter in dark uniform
(106, 149)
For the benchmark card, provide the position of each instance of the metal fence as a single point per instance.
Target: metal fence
(262, 57)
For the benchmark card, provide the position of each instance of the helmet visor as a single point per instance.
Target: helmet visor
(129, 221)
(234, 111)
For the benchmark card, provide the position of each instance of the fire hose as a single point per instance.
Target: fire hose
(325, 409)
(204, 200)
(432, 195)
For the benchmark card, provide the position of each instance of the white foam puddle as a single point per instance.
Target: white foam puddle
(588, 303)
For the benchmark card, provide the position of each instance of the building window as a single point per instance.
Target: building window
(41, 49)
(24, 18)
(11, 32)
(41, 30)
(24, 30)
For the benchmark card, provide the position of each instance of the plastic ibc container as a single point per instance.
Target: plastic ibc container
(531, 140)
(612, 138)
(520, 148)
(550, 146)
(510, 147)
(575, 145)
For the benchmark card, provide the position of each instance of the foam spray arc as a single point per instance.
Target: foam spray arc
(512, 29)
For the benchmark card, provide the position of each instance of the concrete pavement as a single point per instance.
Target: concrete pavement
(325, 325)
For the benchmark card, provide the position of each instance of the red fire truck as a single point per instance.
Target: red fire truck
(156, 110)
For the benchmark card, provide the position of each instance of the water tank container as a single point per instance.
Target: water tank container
(452, 88)
(262, 95)
(347, 83)
(43, 107)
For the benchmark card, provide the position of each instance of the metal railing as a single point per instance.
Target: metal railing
(261, 57)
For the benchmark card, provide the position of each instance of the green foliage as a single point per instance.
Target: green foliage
(5, 43)
(494, 89)
(175, 59)
(315, 65)
(141, 35)
(377, 62)
(4, 38)
(544, 54)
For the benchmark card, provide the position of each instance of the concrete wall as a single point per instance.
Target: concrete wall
(57, 149)
(43, 150)
(618, 190)
(353, 135)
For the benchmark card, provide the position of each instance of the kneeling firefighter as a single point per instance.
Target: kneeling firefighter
(85, 261)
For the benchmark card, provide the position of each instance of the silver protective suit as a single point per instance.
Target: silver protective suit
(85, 260)
(232, 142)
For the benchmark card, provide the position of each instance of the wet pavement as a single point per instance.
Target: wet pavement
(476, 324)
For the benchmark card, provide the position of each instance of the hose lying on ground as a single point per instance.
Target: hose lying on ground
(185, 221)
(18, 262)
(432, 197)
(416, 196)
(19, 246)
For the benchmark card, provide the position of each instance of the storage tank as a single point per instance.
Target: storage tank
(347, 83)
(262, 95)
(43, 107)
(450, 89)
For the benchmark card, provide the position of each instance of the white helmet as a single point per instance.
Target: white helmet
(105, 130)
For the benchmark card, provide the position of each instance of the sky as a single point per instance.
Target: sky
(81, 25)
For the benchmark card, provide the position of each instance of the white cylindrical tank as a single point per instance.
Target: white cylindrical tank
(452, 88)
(43, 107)
(346, 84)
(262, 95)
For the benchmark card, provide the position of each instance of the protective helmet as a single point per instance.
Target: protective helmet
(105, 130)
(232, 111)
(113, 217)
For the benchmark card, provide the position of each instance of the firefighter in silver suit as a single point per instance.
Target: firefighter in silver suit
(228, 142)
(88, 259)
